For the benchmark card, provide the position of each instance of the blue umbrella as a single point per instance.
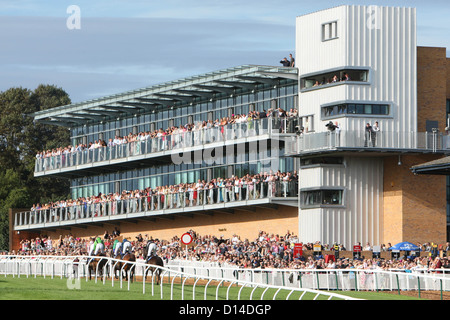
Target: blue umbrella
(405, 246)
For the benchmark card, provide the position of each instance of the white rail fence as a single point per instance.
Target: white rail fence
(328, 279)
(73, 267)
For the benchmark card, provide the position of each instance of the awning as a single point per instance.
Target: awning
(435, 167)
(178, 93)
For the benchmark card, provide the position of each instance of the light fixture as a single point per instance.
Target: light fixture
(399, 160)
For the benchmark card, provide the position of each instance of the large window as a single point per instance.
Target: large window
(321, 197)
(339, 110)
(321, 160)
(322, 80)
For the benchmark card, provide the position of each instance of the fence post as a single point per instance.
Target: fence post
(337, 281)
(317, 276)
(376, 281)
(418, 285)
(398, 284)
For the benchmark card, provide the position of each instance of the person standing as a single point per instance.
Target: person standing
(337, 131)
(292, 60)
(367, 134)
(375, 130)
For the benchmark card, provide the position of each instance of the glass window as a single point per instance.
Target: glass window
(376, 109)
(360, 109)
(368, 109)
(316, 198)
(338, 76)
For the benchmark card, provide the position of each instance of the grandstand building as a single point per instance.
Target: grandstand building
(355, 65)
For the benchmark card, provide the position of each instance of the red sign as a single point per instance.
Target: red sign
(356, 248)
(298, 250)
(186, 238)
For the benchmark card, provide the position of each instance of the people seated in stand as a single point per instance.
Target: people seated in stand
(265, 250)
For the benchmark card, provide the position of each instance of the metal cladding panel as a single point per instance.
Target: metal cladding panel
(310, 225)
(310, 177)
(312, 53)
(359, 220)
(384, 40)
(381, 40)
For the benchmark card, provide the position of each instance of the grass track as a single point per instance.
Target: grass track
(62, 289)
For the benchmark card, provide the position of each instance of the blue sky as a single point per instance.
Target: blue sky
(124, 45)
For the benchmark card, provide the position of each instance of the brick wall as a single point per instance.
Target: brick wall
(433, 86)
(414, 205)
(244, 223)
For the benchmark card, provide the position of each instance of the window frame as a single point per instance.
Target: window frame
(322, 190)
(356, 103)
(324, 30)
(344, 69)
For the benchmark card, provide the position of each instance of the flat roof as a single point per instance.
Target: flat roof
(166, 94)
(435, 167)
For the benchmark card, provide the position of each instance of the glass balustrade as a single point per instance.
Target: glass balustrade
(177, 141)
(311, 142)
(160, 201)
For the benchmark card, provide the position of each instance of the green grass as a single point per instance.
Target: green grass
(62, 289)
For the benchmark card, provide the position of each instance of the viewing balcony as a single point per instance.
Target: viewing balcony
(165, 146)
(360, 141)
(220, 199)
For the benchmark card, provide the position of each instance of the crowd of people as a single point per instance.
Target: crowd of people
(264, 251)
(217, 190)
(249, 119)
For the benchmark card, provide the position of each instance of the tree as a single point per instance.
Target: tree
(20, 140)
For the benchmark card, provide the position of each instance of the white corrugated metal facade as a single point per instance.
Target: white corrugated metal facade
(381, 40)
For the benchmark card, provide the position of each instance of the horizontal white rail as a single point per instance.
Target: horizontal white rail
(75, 267)
(328, 279)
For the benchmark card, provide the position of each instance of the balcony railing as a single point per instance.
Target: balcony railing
(204, 199)
(188, 139)
(414, 141)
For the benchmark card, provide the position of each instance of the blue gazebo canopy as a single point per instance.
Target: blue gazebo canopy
(405, 246)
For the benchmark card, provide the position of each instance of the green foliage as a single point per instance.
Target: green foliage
(20, 140)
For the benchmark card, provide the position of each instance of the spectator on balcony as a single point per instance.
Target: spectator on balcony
(285, 62)
(375, 130)
(367, 134)
(331, 126)
(292, 61)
